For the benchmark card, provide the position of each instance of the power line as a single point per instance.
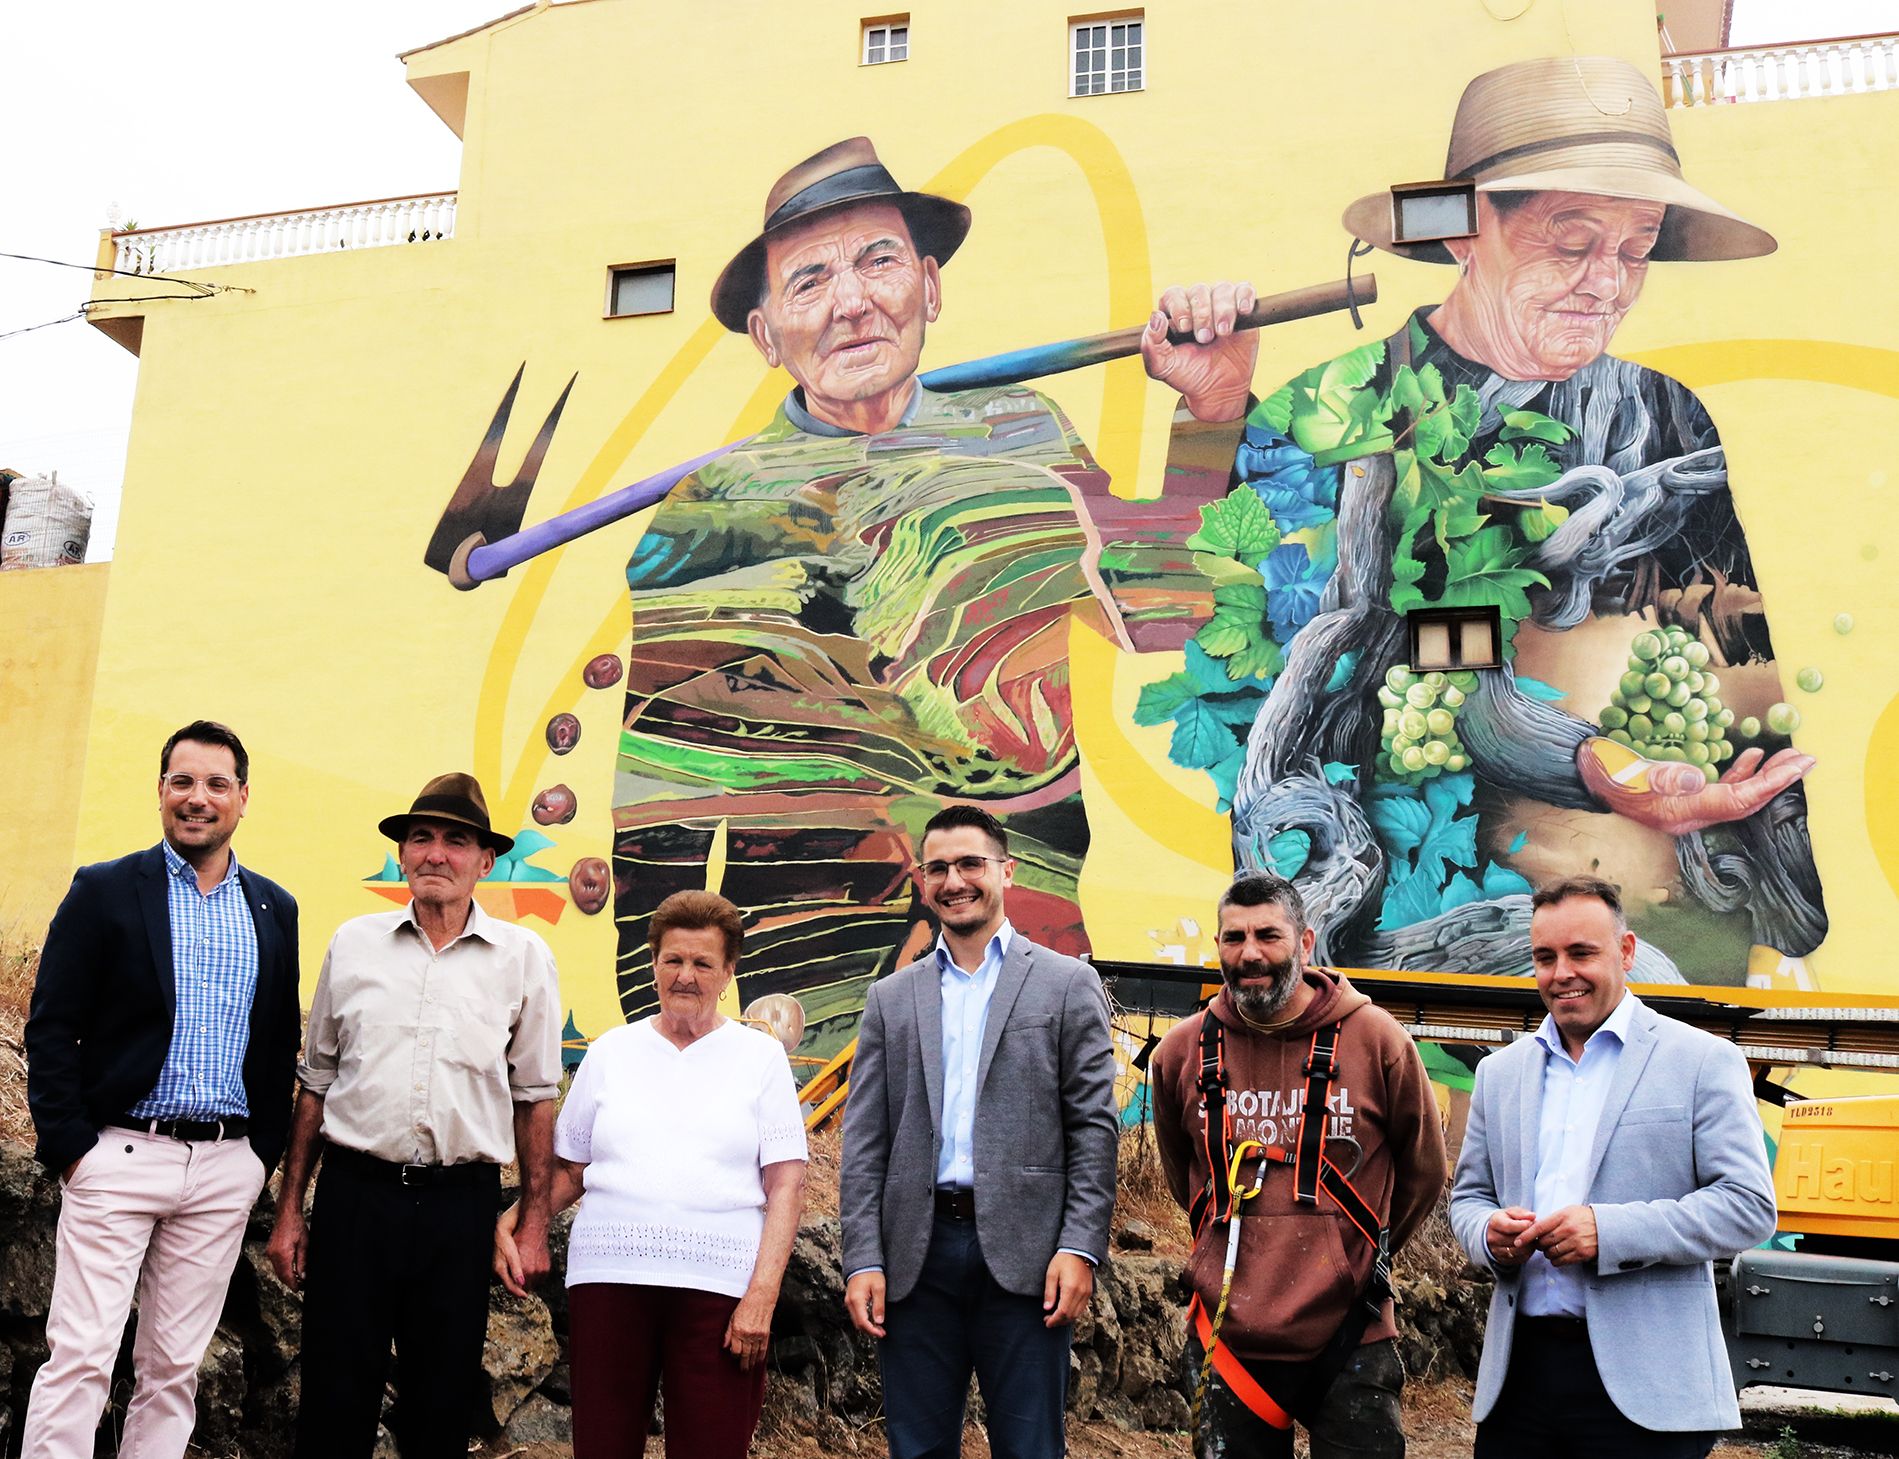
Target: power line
(93, 268)
(79, 313)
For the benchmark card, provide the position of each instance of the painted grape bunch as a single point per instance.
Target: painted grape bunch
(1668, 704)
(1420, 730)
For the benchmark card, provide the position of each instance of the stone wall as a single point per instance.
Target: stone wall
(1126, 1367)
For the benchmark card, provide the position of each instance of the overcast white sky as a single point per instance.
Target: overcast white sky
(213, 108)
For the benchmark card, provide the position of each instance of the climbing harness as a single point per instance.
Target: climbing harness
(1314, 1169)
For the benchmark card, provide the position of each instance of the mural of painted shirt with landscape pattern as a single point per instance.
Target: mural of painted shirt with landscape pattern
(835, 633)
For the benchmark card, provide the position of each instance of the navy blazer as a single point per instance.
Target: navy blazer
(101, 1017)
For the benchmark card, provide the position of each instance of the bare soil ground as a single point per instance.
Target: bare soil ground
(19, 965)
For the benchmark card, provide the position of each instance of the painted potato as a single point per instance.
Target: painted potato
(590, 883)
(563, 733)
(602, 672)
(555, 806)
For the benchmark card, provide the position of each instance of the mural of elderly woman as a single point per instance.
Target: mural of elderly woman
(683, 1133)
(1491, 453)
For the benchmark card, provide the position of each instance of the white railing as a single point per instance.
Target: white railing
(286, 235)
(1780, 73)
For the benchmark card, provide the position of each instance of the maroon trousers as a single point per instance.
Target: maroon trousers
(625, 1340)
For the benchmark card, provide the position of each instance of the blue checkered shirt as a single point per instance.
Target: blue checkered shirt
(214, 970)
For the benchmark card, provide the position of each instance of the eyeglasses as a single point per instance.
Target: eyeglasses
(215, 786)
(968, 866)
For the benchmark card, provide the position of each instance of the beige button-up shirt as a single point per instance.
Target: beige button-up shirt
(422, 1055)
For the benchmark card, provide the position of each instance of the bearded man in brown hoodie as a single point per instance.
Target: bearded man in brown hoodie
(1298, 1311)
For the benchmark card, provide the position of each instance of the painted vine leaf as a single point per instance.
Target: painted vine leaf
(1238, 526)
(1485, 569)
(1528, 468)
(1531, 425)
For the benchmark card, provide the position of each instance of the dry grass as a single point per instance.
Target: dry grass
(19, 966)
(1141, 1194)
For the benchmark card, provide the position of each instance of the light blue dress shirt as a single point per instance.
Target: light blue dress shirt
(214, 978)
(1573, 1095)
(966, 998)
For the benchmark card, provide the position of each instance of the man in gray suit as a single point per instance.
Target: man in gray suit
(1609, 1159)
(979, 1152)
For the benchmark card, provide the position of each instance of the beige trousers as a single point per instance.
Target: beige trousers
(165, 1217)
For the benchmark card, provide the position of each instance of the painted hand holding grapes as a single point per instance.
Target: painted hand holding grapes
(1676, 797)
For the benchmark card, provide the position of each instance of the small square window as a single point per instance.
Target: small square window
(1455, 638)
(639, 288)
(886, 40)
(1107, 55)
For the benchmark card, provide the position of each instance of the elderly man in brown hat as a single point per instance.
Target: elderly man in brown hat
(864, 611)
(431, 1059)
(1521, 555)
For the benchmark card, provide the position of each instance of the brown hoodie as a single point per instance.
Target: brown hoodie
(1300, 1269)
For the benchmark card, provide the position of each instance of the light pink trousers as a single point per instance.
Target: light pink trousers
(164, 1216)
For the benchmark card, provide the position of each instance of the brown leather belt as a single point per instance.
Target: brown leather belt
(956, 1203)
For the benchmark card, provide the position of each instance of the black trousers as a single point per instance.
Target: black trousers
(958, 1319)
(402, 1264)
(1362, 1416)
(1553, 1405)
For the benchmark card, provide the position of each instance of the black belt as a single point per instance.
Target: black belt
(232, 1127)
(1567, 1329)
(476, 1172)
(956, 1203)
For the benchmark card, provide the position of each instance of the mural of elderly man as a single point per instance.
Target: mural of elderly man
(1491, 453)
(863, 612)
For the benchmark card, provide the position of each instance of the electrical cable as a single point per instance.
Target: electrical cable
(93, 268)
(79, 313)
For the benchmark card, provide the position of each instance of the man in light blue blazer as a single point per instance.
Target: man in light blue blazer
(1609, 1159)
(978, 1172)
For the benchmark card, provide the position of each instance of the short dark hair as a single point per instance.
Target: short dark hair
(695, 912)
(208, 732)
(1509, 199)
(1261, 889)
(1594, 887)
(952, 816)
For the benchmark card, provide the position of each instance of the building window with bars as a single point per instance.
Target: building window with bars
(640, 288)
(886, 40)
(1106, 55)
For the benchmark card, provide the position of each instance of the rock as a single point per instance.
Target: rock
(278, 1311)
(270, 1414)
(29, 1214)
(519, 1353)
(1135, 1235)
(1140, 1372)
(385, 1446)
(559, 1384)
(221, 1390)
(1084, 1382)
(539, 1420)
(1163, 1408)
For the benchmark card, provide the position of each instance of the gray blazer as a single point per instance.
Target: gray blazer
(1678, 1177)
(1046, 1131)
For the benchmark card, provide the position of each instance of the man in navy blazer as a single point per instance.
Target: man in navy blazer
(1610, 1158)
(161, 1055)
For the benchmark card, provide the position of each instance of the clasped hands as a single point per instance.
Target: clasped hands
(1066, 1288)
(1567, 1237)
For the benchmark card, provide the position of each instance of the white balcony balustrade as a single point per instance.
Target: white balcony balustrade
(1782, 73)
(378, 224)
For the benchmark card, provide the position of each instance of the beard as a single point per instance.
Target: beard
(1260, 1004)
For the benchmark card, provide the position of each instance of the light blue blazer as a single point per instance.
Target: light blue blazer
(1678, 1177)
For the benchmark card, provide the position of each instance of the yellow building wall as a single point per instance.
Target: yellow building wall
(292, 447)
(49, 645)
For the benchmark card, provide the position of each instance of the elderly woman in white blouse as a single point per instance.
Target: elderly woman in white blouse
(684, 1135)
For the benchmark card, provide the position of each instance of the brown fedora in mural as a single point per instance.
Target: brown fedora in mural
(1582, 124)
(843, 173)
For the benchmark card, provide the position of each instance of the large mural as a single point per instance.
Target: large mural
(864, 609)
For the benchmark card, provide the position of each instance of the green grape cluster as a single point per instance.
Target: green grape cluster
(1668, 705)
(1420, 732)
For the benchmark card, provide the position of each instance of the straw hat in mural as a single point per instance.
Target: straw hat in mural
(1583, 124)
(845, 172)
